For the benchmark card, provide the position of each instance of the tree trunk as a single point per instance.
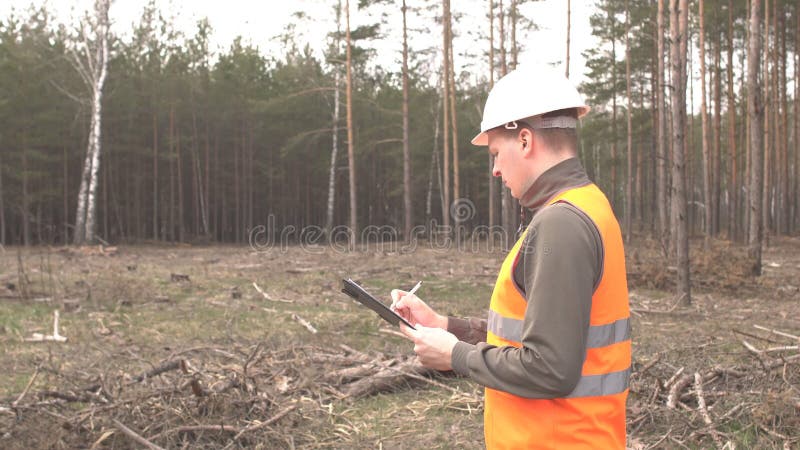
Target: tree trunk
(796, 189)
(629, 184)
(746, 144)
(704, 124)
(3, 207)
(784, 105)
(173, 207)
(689, 146)
(179, 166)
(106, 211)
(207, 192)
(716, 171)
(79, 235)
(155, 173)
(406, 150)
(569, 26)
(434, 165)
(64, 197)
(492, 181)
(453, 110)
(446, 114)
(506, 201)
(639, 190)
(661, 150)
(754, 112)
(765, 216)
(334, 153)
(101, 70)
(733, 190)
(93, 71)
(678, 24)
(350, 144)
(24, 220)
(777, 114)
(613, 199)
(514, 48)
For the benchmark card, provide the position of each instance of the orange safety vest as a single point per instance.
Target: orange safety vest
(592, 416)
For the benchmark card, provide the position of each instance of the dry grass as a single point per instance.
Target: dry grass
(130, 311)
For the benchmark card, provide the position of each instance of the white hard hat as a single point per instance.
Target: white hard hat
(526, 92)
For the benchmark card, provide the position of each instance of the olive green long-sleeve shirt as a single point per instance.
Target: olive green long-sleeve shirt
(560, 266)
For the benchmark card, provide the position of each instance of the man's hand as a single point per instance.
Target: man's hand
(434, 346)
(415, 311)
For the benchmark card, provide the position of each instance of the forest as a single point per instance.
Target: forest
(147, 175)
(200, 146)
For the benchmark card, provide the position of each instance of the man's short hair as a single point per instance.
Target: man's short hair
(553, 138)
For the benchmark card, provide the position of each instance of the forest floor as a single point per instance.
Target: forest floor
(175, 347)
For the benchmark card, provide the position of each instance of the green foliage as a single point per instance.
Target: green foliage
(234, 135)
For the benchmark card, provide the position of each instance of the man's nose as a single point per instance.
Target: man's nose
(495, 170)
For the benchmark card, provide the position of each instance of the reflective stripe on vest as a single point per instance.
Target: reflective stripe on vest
(598, 336)
(605, 384)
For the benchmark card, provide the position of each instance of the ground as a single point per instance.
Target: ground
(252, 369)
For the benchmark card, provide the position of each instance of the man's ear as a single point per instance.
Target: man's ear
(526, 138)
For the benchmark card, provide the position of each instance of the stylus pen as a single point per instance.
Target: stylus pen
(414, 289)
(411, 292)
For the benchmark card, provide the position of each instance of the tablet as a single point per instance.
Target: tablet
(353, 289)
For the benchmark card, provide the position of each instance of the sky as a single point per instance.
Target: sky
(260, 22)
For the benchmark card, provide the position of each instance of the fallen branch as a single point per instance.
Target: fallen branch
(649, 365)
(27, 387)
(193, 428)
(267, 296)
(166, 367)
(673, 378)
(304, 323)
(385, 379)
(429, 381)
(349, 374)
(783, 348)
(701, 405)
(664, 313)
(136, 437)
(92, 389)
(266, 423)
(675, 390)
(771, 432)
(55, 337)
(779, 333)
(751, 348)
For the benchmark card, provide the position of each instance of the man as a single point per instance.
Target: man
(555, 352)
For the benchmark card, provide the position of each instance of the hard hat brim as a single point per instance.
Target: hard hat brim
(481, 139)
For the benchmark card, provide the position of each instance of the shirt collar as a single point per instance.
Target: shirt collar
(565, 175)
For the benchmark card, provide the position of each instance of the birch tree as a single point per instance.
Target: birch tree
(350, 147)
(90, 60)
(335, 127)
